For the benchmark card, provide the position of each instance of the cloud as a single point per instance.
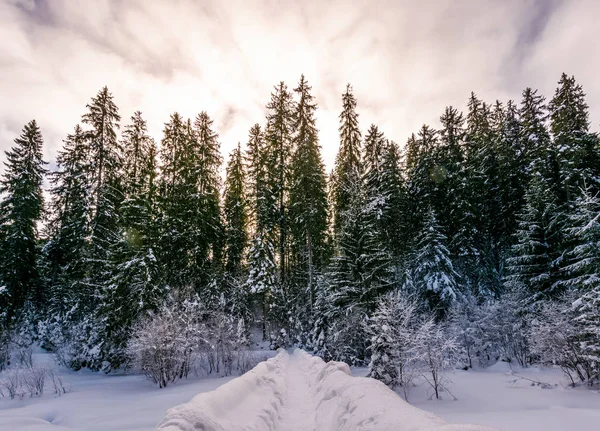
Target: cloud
(406, 60)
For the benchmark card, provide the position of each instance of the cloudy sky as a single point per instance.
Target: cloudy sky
(407, 60)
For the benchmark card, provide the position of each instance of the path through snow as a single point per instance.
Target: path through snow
(300, 392)
(298, 411)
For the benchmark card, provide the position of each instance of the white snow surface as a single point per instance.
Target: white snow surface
(99, 402)
(299, 392)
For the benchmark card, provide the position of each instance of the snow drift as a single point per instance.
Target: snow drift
(332, 400)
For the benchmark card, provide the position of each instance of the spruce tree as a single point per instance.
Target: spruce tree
(179, 230)
(205, 172)
(423, 176)
(374, 147)
(512, 179)
(449, 200)
(278, 152)
(135, 286)
(531, 269)
(348, 166)
(262, 276)
(106, 192)
(21, 208)
(256, 166)
(581, 267)
(480, 262)
(236, 214)
(361, 271)
(68, 228)
(394, 218)
(576, 147)
(538, 152)
(307, 197)
(432, 268)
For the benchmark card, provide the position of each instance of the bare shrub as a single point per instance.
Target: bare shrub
(21, 381)
(57, 383)
(246, 360)
(184, 337)
(12, 382)
(34, 379)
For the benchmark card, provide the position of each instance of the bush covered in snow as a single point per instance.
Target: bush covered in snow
(21, 377)
(185, 337)
(406, 344)
(558, 339)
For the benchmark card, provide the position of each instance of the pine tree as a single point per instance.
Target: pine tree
(21, 208)
(531, 268)
(576, 148)
(135, 286)
(68, 228)
(236, 214)
(106, 164)
(582, 264)
(361, 271)
(394, 218)
(348, 164)
(278, 152)
(307, 197)
(205, 171)
(512, 178)
(179, 230)
(433, 270)
(262, 277)
(449, 200)
(423, 176)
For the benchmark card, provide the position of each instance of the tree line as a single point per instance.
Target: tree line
(497, 205)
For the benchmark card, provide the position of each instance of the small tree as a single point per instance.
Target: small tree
(438, 355)
(556, 338)
(165, 344)
(405, 345)
(434, 272)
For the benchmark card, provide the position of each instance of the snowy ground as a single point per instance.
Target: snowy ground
(489, 397)
(99, 402)
(299, 392)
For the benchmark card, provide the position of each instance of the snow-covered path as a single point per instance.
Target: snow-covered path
(299, 392)
(298, 410)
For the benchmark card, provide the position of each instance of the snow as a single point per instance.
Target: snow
(100, 402)
(299, 392)
(491, 397)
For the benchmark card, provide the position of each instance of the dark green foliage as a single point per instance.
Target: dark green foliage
(348, 166)
(436, 281)
(105, 160)
(236, 214)
(575, 146)
(190, 227)
(531, 267)
(361, 271)
(278, 151)
(307, 199)
(21, 208)
(68, 228)
(498, 204)
(135, 286)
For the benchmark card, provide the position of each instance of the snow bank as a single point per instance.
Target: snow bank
(250, 402)
(339, 402)
(345, 403)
